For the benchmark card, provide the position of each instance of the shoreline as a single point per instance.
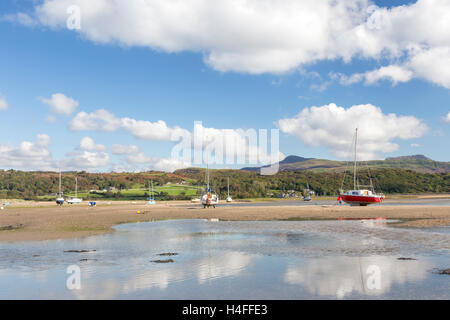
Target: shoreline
(36, 223)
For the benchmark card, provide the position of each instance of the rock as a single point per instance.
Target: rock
(167, 254)
(80, 251)
(84, 260)
(443, 271)
(162, 261)
(402, 258)
(12, 227)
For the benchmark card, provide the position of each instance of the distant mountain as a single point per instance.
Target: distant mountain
(418, 163)
(413, 157)
(293, 159)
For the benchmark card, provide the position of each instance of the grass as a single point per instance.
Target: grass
(138, 191)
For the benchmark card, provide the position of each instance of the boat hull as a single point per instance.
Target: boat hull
(361, 200)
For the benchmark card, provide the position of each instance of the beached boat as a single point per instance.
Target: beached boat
(151, 199)
(209, 199)
(60, 198)
(229, 199)
(75, 200)
(359, 196)
(307, 193)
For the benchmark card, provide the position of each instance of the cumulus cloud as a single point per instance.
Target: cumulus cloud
(393, 73)
(88, 144)
(84, 160)
(119, 149)
(447, 118)
(28, 155)
(243, 144)
(140, 158)
(270, 36)
(99, 120)
(3, 104)
(333, 127)
(60, 104)
(103, 120)
(170, 165)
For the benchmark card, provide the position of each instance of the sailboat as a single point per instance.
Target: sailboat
(196, 199)
(308, 193)
(228, 194)
(209, 198)
(75, 200)
(359, 196)
(60, 198)
(151, 199)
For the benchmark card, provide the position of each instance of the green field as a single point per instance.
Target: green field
(138, 191)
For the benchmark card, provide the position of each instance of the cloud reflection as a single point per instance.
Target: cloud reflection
(343, 276)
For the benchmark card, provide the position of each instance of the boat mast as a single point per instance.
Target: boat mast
(60, 183)
(228, 187)
(354, 169)
(207, 177)
(76, 187)
(152, 189)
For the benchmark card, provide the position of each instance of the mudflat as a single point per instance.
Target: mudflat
(47, 221)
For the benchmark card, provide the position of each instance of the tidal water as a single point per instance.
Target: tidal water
(235, 260)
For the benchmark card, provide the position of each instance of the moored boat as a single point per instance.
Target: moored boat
(60, 199)
(75, 200)
(209, 199)
(359, 196)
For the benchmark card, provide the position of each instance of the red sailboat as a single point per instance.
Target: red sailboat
(360, 196)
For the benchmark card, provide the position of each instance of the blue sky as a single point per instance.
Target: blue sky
(146, 82)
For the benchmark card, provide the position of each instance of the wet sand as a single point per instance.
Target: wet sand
(46, 221)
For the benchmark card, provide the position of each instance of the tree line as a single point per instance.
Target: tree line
(243, 184)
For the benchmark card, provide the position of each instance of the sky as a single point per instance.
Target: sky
(117, 85)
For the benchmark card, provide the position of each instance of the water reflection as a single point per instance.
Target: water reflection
(343, 276)
(234, 260)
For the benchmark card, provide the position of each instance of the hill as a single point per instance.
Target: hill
(183, 184)
(418, 163)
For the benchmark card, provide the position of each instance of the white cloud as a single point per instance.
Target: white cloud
(102, 120)
(119, 149)
(333, 127)
(170, 165)
(3, 104)
(140, 158)
(392, 73)
(84, 160)
(271, 36)
(99, 120)
(415, 145)
(60, 104)
(88, 144)
(21, 18)
(447, 118)
(28, 155)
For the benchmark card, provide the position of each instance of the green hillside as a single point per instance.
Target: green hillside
(417, 163)
(185, 184)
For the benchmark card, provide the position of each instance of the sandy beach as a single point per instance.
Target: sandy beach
(46, 221)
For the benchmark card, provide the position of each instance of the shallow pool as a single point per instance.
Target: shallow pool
(234, 260)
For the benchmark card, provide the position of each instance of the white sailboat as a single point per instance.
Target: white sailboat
(308, 193)
(209, 198)
(75, 200)
(229, 199)
(196, 199)
(151, 199)
(60, 198)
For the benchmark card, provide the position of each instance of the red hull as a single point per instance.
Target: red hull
(362, 200)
